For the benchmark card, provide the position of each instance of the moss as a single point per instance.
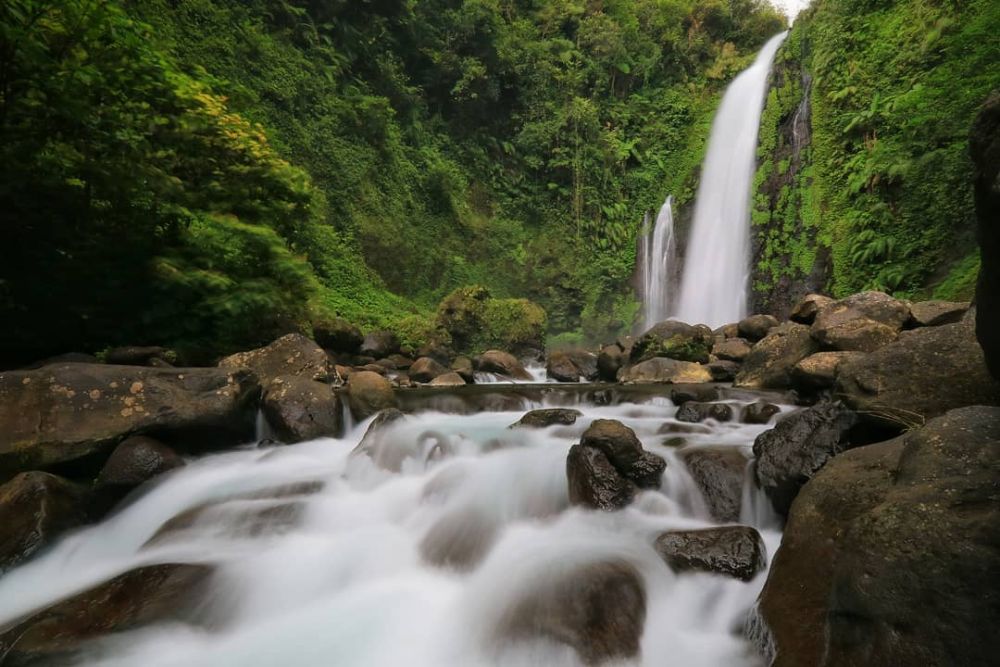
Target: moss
(960, 283)
(475, 321)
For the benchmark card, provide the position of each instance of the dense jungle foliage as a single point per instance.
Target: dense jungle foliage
(881, 192)
(209, 173)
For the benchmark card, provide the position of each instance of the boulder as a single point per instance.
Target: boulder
(734, 551)
(693, 411)
(728, 330)
(449, 379)
(463, 366)
(293, 355)
(984, 148)
(141, 356)
(936, 313)
(682, 393)
(723, 371)
(561, 367)
(504, 363)
(756, 327)
(805, 311)
(35, 509)
(599, 609)
(623, 449)
(609, 361)
(719, 471)
(859, 334)
(888, 554)
(927, 372)
(819, 371)
(673, 340)
(401, 361)
(660, 370)
(426, 369)
(380, 344)
(337, 334)
(594, 482)
(797, 447)
(732, 349)
(298, 409)
(59, 414)
(759, 412)
(155, 593)
(871, 305)
(548, 417)
(770, 362)
(368, 393)
(137, 460)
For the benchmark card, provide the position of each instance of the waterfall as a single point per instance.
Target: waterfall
(717, 262)
(658, 258)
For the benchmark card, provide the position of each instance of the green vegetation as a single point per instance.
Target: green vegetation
(885, 183)
(210, 173)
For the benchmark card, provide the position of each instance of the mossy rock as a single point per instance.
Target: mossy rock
(674, 340)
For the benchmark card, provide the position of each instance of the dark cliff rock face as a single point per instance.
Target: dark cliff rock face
(778, 279)
(984, 146)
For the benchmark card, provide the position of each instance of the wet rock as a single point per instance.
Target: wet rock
(61, 414)
(797, 447)
(293, 355)
(135, 461)
(936, 313)
(339, 335)
(661, 370)
(504, 363)
(759, 412)
(400, 361)
(819, 371)
(927, 372)
(449, 379)
(380, 344)
(548, 417)
(728, 330)
(561, 368)
(609, 361)
(298, 409)
(382, 420)
(735, 551)
(141, 356)
(146, 595)
(426, 369)
(463, 366)
(693, 411)
(367, 393)
(719, 471)
(35, 509)
(984, 148)
(594, 482)
(770, 362)
(887, 550)
(459, 540)
(855, 335)
(723, 371)
(681, 394)
(733, 349)
(624, 451)
(756, 327)
(673, 340)
(599, 609)
(674, 427)
(805, 311)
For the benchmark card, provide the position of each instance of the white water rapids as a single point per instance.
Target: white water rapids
(717, 260)
(341, 581)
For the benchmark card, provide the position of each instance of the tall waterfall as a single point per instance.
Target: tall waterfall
(658, 258)
(717, 261)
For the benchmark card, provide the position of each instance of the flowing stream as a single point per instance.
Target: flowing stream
(658, 259)
(717, 260)
(320, 557)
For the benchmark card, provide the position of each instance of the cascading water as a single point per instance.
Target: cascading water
(658, 259)
(320, 557)
(716, 263)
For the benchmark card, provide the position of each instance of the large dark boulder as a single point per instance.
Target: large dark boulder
(890, 554)
(155, 593)
(503, 363)
(735, 551)
(338, 335)
(609, 465)
(609, 361)
(660, 370)
(797, 447)
(135, 461)
(927, 372)
(548, 417)
(623, 449)
(984, 147)
(293, 355)
(426, 369)
(694, 411)
(732, 349)
(35, 508)
(819, 371)
(380, 344)
(297, 409)
(674, 340)
(368, 393)
(571, 365)
(759, 412)
(770, 362)
(60, 414)
(755, 327)
(718, 471)
(599, 609)
(808, 307)
(936, 313)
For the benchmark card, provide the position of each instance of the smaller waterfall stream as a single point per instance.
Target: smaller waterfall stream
(658, 259)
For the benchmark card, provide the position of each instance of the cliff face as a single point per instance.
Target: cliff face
(789, 259)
